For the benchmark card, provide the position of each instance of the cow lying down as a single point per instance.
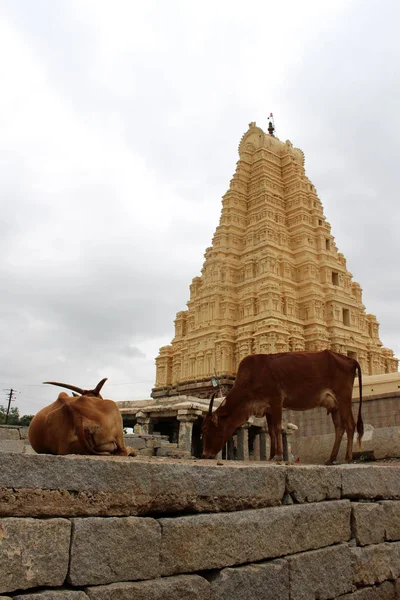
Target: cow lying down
(80, 424)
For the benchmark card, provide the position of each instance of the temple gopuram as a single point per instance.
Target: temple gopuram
(273, 280)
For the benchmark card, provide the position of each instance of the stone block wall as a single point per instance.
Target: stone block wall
(382, 443)
(14, 439)
(378, 411)
(101, 528)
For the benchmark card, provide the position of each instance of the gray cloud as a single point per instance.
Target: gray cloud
(120, 131)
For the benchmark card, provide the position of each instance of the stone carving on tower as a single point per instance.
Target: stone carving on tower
(272, 281)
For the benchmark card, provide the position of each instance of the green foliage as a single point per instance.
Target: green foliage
(13, 417)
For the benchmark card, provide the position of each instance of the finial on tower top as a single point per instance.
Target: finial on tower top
(271, 125)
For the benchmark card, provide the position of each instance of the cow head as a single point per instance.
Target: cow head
(213, 432)
(88, 430)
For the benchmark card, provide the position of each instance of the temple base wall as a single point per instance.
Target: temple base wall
(97, 528)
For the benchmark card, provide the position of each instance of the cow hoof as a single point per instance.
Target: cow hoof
(332, 462)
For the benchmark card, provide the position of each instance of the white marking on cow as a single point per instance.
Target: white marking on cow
(328, 400)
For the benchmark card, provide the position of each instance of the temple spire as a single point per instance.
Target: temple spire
(272, 281)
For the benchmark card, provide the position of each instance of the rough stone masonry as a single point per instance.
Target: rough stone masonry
(103, 528)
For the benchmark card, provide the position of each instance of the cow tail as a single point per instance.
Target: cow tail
(360, 424)
(77, 423)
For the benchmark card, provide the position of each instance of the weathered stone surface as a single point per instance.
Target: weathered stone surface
(322, 574)
(118, 486)
(266, 581)
(53, 595)
(376, 563)
(313, 483)
(316, 449)
(33, 553)
(214, 541)
(23, 433)
(383, 442)
(391, 512)
(135, 442)
(9, 433)
(112, 549)
(183, 587)
(370, 481)
(368, 524)
(385, 591)
(12, 446)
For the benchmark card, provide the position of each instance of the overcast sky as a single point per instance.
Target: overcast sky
(119, 128)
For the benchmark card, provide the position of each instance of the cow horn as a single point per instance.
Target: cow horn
(96, 391)
(211, 404)
(74, 388)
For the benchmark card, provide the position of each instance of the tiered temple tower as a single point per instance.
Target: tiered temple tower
(272, 281)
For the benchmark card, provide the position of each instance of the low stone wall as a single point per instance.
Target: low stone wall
(154, 445)
(14, 439)
(102, 528)
(380, 443)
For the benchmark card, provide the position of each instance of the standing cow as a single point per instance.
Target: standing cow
(267, 383)
(82, 424)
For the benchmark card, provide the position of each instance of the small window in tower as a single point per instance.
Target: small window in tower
(319, 221)
(327, 244)
(335, 278)
(346, 316)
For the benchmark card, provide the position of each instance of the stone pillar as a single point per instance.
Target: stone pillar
(143, 424)
(285, 446)
(287, 431)
(256, 447)
(263, 445)
(186, 418)
(243, 442)
(230, 449)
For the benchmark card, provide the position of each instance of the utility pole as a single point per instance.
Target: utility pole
(11, 393)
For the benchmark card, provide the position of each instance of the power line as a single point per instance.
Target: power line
(109, 383)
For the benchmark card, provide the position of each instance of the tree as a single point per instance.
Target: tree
(13, 416)
(25, 420)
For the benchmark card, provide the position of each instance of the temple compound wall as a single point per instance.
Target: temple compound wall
(272, 281)
(101, 528)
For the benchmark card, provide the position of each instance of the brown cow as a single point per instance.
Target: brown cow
(82, 424)
(267, 383)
